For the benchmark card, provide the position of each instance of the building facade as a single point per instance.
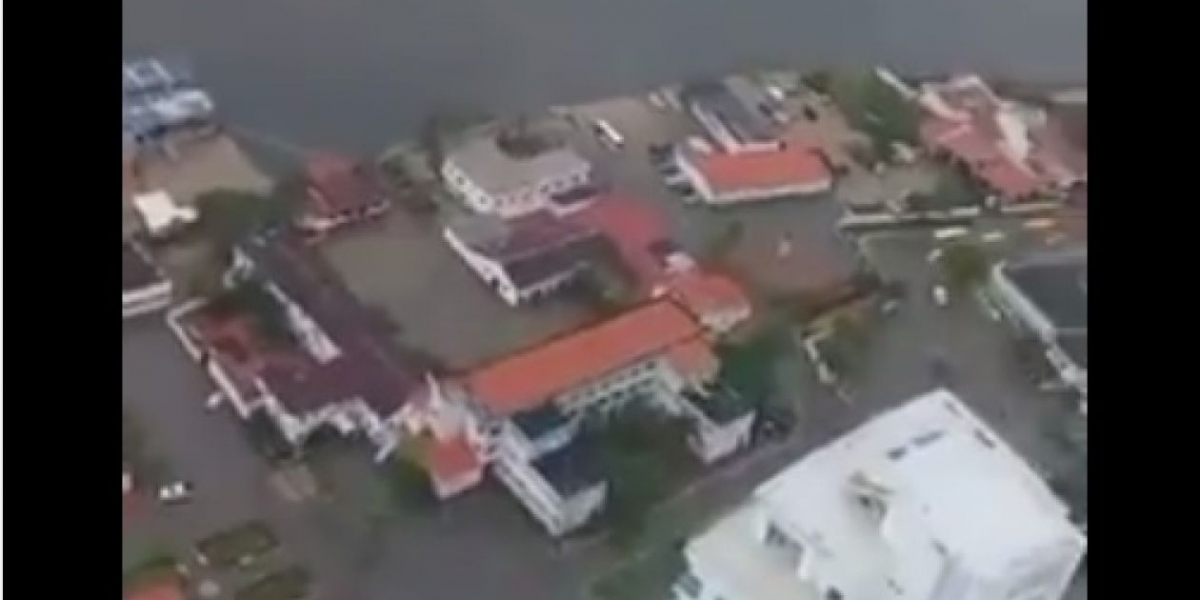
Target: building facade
(524, 413)
(491, 179)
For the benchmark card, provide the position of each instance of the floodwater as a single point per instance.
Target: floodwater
(355, 75)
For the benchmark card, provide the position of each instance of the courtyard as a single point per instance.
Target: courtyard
(403, 266)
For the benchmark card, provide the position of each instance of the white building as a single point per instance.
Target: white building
(160, 215)
(523, 412)
(508, 180)
(527, 257)
(924, 502)
(337, 372)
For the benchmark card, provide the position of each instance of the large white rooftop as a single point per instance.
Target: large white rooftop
(961, 509)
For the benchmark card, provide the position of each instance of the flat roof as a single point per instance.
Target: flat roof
(496, 171)
(952, 487)
(1056, 285)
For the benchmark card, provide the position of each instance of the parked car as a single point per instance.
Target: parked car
(774, 422)
(176, 492)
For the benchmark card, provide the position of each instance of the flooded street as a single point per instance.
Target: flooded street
(357, 74)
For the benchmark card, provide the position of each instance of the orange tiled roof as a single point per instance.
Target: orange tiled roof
(790, 165)
(704, 292)
(448, 458)
(694, 358)
(527, 379)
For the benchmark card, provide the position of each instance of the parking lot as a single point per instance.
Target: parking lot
(815, 253)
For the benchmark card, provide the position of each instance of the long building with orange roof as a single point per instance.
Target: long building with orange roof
(523, 412)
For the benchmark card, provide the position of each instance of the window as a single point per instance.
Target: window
(783, 545)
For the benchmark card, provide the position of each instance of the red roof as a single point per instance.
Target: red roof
(166, 589)
(982, 155)
(694, 359)
(527, 379)
(450, 458)
(340, 185)
(791, 165)
(636, 229)
(703, 292)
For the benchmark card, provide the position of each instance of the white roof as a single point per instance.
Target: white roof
(962, 509)
(498, 172)
(159, 212)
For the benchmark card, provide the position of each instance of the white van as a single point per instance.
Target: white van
(608, 134)
(947, 234)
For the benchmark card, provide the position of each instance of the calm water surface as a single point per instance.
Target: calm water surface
(356, 74)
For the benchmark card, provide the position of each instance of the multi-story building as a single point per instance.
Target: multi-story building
(523, 412)
(525, 257)
(924, 502)
(329, 366)
(510, 174)
(339, 192)
(1046, 297)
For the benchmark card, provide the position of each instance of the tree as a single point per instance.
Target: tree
(227, 217)
(644, 453)
(749, 367)
(964, 264)
(410, 484)
(818, 80)
(877, 109)
(954, 189)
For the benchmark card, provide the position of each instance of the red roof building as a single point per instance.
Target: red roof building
(1016, 152)
(724, 177)
(717, 300)
(638, 232)
(340, 192)
(530, 378)
(453, 464)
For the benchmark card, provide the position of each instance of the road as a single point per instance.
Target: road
(481, 544)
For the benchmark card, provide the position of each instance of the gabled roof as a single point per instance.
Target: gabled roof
(766, 169)
(529, 378)
(637, 230)
(342, 184)
(531, 247)
(703, 292)
(742, 120)
(370, 366)
(450, 458)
